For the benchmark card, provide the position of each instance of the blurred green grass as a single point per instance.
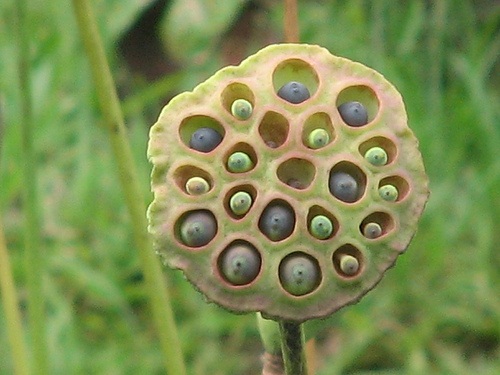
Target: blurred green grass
(436, 312)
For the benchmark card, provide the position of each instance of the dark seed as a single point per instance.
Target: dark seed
(277, 222)
(294, 92)
(240, 264)
(344, 187)
(353, 113)
(198, 228)
(299, 274)
(205, 139)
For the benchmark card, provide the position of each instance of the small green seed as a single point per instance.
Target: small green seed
(318, 138)
(299, 274)
(376, 156)
(241, 109)
(239, 162)
(240, 264)
(321, 227)
(349, 265)
(372, 230)
(197, 186)
(240, 203)
(389, 193)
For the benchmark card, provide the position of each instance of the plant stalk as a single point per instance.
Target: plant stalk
(34, 261)
(156, 284)
(292, 346)
(291, 21)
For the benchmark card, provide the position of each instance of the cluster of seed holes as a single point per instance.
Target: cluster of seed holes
(195, 228)
(239, 149)
(193, 123)
(383, 143)
(362, 94)
(318, 211)
(235, 209)
(297, 173)
(235, 91)
(295, 70)
(350, 189)
(317, 121)
(376, 225)
(274, 129)
(183, 174)
(240, 263)
(348, 261)
(299, 273)
(398, 183)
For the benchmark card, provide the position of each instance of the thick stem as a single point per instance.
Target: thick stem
(156, 284)
(34, 264)
(291, 21)
(292, 346)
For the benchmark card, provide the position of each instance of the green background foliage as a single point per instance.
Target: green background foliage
(436, 312)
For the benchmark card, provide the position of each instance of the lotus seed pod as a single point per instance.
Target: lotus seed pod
(299, 274)
(353, 113)
(321, 227)
(197, 186)
(240, 203)
(241, 109)
(277, 222)
(389, 193)
(198, 228)
(240, 264)
(372, 230)
(344, 187)
(349, 265)
(205, 139)
(294, 92)
(318, 138)
(239, 162)
(376, 156)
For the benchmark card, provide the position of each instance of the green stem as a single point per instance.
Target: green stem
(291, 21)
(34, 267)
(292, 346)
(13, 317)
(108, 99)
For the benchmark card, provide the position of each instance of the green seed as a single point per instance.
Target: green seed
(321, 227)
(372, 230)
(318, 138)
(197, 186)
(198, 228)
(349, 265)
(239, 162)
(388, 193)
(240, 264)
(376, 156)
(241, 109)
(299, 274)
(240, 202)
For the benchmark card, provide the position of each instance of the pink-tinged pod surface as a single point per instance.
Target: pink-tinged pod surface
(276, 261)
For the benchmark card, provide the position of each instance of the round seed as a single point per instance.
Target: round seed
(198, 228)
(353, 113)
(388, 192)
(240, 264)
(240, 202)
(277, 222)
(239, 162)
(205, 139)
(197, 186)
(318, 138)
(241, 109)
(294, 92)
(376, 156)
(372, 230)
(349, 265)
(321, 227)
(299, 274)
(344, 187)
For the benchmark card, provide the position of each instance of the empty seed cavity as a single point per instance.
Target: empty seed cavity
(299, 273)
(297, 173)
(274, 129)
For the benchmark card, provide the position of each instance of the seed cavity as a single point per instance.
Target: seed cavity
(376, 156)
(372, 230)
(277, 221)
(240, 203)
(349, 265)
(318, 138)
(197, 228)
(197, 186)
(241, 109)
(388, 193)
(321, 227)
(353, 113)
(240, 263)
(299, 274)
(239, 162)
(294, 92)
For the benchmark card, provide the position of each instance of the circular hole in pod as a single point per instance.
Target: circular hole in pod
(318, 131)
(348, 261)
(239, 263)
(347, 182)
(357, 105)
(241, 158)
(277, 221)
(196, 228)
(193, 180)
(239, 200)
(376, 225)
(295, 81)
(299, 273)
(297, 173)
(393, 189)
(201, 133)
(378, 151)
(239, 100)
(321, 223)
(274, 129)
